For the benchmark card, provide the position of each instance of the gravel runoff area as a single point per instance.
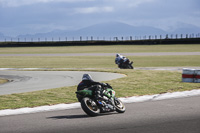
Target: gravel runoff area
(27, 81)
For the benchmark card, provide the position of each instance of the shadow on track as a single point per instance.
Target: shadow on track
(78, 116)
(69, 117)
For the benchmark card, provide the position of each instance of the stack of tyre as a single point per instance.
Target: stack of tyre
(191, 75)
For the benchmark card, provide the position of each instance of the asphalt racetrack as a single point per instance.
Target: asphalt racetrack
(164, 116)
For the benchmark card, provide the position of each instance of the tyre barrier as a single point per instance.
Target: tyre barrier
(197, 76)
(191, 75)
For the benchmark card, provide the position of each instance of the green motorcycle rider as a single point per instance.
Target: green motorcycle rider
(96, 97)
(88, 83)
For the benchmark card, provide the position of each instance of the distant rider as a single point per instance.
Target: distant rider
(88, 83)
(120, 59)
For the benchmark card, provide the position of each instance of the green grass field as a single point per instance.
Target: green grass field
(136, 83)
(95, 61)
(102, 49)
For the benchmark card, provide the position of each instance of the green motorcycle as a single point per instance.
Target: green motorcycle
(94, 107)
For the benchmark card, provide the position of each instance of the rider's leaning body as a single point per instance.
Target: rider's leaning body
(88, 83)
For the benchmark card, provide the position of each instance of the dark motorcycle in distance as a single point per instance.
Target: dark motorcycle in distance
(93, 107)
(126, 65)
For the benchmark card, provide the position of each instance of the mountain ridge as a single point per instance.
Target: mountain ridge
(109, 29)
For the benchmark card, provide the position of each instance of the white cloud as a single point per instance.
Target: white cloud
(17, 3)
(137, 3)
(89, 10)
(129, 3)
(75, 14)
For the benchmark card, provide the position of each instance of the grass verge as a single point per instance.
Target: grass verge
(137, 82)
(95, 61)
(102, 49)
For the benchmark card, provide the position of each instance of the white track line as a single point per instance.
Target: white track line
(134, 99)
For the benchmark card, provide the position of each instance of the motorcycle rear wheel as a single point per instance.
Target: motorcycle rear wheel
(131, 67)
(90, 107)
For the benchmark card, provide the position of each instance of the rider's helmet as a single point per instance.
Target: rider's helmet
(117, 55)
(86, 77)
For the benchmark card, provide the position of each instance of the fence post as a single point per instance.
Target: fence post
(167, 36)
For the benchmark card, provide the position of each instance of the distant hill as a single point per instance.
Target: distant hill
(3, 37)
(107, 30)
(118, 29)
(186, 29)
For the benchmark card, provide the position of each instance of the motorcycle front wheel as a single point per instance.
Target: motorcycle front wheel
(120, 107)
(90, 107)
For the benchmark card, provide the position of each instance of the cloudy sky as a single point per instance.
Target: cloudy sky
(33, 16)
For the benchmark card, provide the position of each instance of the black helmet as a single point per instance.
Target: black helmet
(117, 55)
(86, 77)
